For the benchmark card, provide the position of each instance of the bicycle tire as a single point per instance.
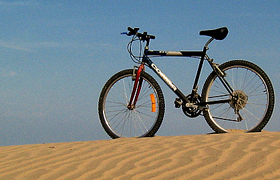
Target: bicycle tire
(249, 82)
(120, 121)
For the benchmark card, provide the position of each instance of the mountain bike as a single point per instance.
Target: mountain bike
(236, 95)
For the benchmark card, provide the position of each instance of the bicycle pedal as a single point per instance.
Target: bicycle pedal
(178, 103)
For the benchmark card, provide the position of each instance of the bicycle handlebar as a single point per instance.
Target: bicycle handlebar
(143, 36)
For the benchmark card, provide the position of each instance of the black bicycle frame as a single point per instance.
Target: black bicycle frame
(203, 56)
(153, 66)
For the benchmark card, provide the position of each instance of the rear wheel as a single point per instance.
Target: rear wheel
(251, 104)
(119, 120)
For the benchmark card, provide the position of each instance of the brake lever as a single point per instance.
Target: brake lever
(133, 31)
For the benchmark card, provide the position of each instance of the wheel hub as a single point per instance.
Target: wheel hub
(130, 107)
(238, 100)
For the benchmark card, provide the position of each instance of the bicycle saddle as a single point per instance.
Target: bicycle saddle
(218, 34)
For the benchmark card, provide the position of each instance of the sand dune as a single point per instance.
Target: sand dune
(213, 156)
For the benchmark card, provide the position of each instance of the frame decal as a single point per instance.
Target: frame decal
(164, 77)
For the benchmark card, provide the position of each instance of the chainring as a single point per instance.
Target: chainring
(191, 111)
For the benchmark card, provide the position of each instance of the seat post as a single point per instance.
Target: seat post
(208, 42)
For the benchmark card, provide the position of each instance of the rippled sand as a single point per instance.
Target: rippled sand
(213, 156)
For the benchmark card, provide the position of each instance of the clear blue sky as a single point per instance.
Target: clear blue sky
(55, 56)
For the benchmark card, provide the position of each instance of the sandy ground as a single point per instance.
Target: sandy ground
(213, 156)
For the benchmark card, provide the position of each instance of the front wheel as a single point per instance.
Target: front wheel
(120, 120)
(250, 104)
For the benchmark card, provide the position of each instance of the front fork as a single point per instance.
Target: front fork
(136, 88)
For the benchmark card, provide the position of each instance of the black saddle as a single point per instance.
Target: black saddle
(218, 34)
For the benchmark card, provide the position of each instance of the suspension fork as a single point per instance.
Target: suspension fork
(136, 88)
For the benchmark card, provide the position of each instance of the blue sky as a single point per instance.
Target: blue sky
(55, 56)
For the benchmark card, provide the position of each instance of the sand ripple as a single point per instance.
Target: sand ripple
(213, 156)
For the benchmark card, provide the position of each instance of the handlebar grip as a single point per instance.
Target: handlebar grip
(144, 36)
(152, 37)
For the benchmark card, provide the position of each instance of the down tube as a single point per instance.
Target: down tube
(166, 80)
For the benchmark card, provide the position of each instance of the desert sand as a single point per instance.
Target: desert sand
(210, 156)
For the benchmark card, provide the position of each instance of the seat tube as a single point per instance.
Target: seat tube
(194, 90)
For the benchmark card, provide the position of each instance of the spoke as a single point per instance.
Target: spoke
(225, 119)
(125, 93)
(224, 95)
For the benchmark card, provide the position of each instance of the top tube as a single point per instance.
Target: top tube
(176, 53)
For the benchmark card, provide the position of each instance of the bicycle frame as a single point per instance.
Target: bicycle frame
(132, 104)
(203, 56)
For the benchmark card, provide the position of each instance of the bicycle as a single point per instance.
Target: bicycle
(236, 95)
